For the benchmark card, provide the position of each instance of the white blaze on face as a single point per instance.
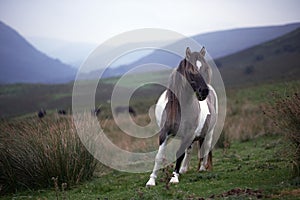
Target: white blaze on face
(199, 64)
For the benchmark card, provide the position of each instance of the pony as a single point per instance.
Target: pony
(187, 110)
(62, 112)
(96, 111)
(121, 109)
(41, 113)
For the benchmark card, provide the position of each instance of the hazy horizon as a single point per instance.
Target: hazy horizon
(96, 21)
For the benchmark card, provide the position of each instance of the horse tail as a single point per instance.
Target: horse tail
(215, 102)
(162, 136)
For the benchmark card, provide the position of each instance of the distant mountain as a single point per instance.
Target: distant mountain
(72, 53)
(218, 44)
(20, 62)
(271, 61)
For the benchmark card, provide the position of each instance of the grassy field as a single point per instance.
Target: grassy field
(253, 159)
(255, 164)
(249, 170)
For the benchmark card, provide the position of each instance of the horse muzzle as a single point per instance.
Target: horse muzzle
(202, 94)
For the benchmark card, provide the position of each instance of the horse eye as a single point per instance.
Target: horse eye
(193, 83)
(199, 64)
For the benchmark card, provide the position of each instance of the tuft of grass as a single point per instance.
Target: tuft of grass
(34, 151)
(285, 113)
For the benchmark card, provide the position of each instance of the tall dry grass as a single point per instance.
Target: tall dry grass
(244, 121)
(124, 140)
(34, 151)
(285, 114)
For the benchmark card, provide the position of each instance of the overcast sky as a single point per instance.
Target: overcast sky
(97, 20)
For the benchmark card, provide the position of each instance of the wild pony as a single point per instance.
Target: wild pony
(121, 109)
(187, 110)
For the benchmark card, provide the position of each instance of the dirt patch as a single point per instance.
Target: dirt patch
(295, 193)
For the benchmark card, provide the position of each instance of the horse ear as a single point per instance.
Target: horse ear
(202, 51)
(188, 53)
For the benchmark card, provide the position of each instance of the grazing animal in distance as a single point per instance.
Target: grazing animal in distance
(187, 110)
(121, 109)
(96, 111)
(62, 112)
(42, 113)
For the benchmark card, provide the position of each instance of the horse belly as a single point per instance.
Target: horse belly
(162, 102)
(160, 106)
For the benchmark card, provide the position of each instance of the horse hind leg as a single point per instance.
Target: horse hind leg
(186, 161)
(205, 152)
(209, 164)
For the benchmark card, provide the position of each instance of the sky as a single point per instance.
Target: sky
(94, 21)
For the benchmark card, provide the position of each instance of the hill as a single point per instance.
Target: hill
(275, 61)
(21, 63)
(72, 53)
(219, 44)
(272, 61)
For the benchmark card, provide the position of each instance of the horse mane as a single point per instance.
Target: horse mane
(206, 73)
(177, 81)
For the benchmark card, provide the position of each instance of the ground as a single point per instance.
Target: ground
(247, 170)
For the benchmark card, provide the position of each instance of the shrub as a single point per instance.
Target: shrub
(34, 151)
(259, 58)
(249, 69)
(285, 113)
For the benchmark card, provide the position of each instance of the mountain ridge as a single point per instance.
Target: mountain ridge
(21, 62)
(213, 43)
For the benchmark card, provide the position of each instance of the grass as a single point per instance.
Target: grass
(33, 151)
(245, 118)
(253, 161)
(256, 165)
(133, 80)
(263, 93)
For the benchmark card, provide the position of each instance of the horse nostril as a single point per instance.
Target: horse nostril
(205, 92)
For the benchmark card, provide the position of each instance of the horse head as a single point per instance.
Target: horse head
(197, 59)
(195, 67)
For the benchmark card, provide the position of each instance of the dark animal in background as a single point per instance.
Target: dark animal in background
(121, 109)
(62, 112)
(95, 112)
(42, 113)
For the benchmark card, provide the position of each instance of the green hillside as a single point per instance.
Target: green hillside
(269, 62)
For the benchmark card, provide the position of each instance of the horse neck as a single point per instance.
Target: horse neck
(180, 103)
(206, 72)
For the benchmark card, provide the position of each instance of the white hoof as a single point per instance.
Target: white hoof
(174, 178)
(183, 170)
(151, 182)
(202, 168)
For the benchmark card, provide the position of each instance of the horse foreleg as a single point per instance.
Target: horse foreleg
(175, 177)
(180, 155)
(158, 161)
(186, 161)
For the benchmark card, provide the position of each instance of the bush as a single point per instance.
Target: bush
(249, 69)
(34, 151)
(286, 116)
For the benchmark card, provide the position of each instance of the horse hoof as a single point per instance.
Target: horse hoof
(182, 170)
(202, 168)
(151, 182)
(174, 178)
